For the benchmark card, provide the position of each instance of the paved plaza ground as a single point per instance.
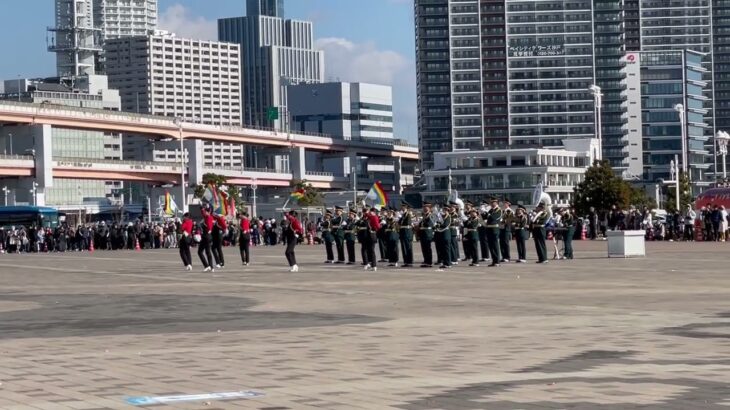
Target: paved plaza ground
(90, 331)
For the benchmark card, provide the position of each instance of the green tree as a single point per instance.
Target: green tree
(218, 180)
(312, 196)
(685, 194)
(602, 188)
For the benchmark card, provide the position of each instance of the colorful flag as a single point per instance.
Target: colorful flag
(377, 195)
(297, 195)
(232, 207)
(211, 195)
(222, 205)
(170, 205)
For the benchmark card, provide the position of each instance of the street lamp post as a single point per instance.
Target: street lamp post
(6, 191)
(34, 192)
(354, 186)
(598, 102)
(10, 138)
(682, 121)
(674, 173)
(178, 122)
(253, 188)
(722, 138)
(18, 88)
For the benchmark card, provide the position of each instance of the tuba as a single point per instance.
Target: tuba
(539, 195)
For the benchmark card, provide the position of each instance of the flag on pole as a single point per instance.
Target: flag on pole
(222, 205)
(297, 195)
(377, 195)
(232, 208)
(210, 195)
(170, 205)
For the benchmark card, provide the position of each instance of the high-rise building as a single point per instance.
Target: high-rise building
(496, 73)
(125, 18)
(195, 80)
(275, 53)
(74, 39)
(657, 82)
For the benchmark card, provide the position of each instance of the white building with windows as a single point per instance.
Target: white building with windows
(195, 80)
(511, 173)
(125, 18)
(349, 110)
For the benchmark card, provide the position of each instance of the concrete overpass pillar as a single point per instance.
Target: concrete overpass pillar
(43, 157)
(195, 164)
(297, 163)
(397, 175)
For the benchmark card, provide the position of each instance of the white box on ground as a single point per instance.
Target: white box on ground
(626, 244)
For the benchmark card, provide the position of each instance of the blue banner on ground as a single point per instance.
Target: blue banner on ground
(151, 400)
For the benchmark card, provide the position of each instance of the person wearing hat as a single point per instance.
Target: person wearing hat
(362, 231)
(350, 235)
(381, 237)
(443, 238)
(456, 223)
(392, 237)
(373, 226)
(426, 235)
(338, 234)
(464, 216)
(521, 232)
(471, 235)
(494, 218)
(505, 230)
(405, 234)
(569, 221)
(538, 232)
(327, 236)
(483, 243)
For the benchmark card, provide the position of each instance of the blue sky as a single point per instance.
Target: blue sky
(363, 40)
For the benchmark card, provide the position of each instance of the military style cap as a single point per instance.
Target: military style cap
(338, 208)
(353, 211)
(426, 203)
(404, 203)
(541, 205)
(328, 212)
(493, 199)
(485, 202)
(452, 203)
(506, 201)
(470, 203)
(521, 207)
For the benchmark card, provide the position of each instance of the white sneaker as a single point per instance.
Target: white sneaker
(208, 269)
(189, 267)
(374, 269)
(294, 268)
(217, 266)
(367, 267)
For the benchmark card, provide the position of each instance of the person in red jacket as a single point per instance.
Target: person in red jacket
(206, 228)
(292, 232)
(372, 222)
(245, 239)
(219, 229)
(186, 235)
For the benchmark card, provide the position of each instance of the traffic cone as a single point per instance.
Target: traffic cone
(91, 246)
(136, 245)
(583, 233)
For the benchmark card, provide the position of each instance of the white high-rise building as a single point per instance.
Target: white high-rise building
(195, 80)
(125, 18)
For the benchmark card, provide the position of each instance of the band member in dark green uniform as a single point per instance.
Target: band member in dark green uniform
(521, 233)
(494, 217)
(380, 234)
(362, 231)
(327, 236)
(392, 237)
(350, 235)
(464, 238)
(569, 222)
(338, 234)
(471, 232)
(538, 232)
(405, 224)
(455, 226)
(443, 238)
(483, 243)
(426, 235)
(505, 231)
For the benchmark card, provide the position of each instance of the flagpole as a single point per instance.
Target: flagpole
(285, 204)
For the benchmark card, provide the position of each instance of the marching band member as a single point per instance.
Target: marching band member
(426, 235)
(505, 231)
(538, 232)
(492, 221)
(405, 224)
